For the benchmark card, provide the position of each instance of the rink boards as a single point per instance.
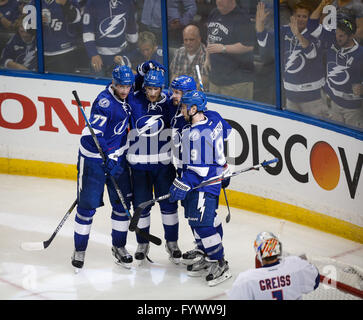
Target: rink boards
(317, 182)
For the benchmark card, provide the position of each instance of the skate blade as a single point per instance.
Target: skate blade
(124, 265)
(197, 273)
(225, 276)
(174, 260)
(77, 270)
(188, 262)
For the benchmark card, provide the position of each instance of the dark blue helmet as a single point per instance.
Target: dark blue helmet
(184, 83)
(154, 78)
(123, 75)
(195, 97)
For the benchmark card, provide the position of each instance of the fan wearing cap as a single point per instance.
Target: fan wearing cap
(278, 278)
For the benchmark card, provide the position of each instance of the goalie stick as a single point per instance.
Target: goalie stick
(142, 233)
(144, 205)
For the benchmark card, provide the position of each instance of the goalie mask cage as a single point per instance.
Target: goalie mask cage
(338, 281)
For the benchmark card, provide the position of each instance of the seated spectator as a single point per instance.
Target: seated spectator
(20, 52)
(188, 56)
(229, 60)
(147, 49)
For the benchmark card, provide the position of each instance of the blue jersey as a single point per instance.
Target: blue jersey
(202, 151)
(178, 124)
(343, 68)
(150, 135)
(107, 27)
(10, 11)
(18, 51)
(303, 71)
(60, 30)
(109, 120)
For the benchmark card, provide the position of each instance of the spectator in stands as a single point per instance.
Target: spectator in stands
(188, 56)
(109, 30)
(9, 12)
(229, 60)
(60, 19)
(180, 13)
(356, 6)
(344, 65)
(147, 49)
(303, 72)
(20, 52)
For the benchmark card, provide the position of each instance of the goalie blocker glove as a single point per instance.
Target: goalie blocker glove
(178, 190)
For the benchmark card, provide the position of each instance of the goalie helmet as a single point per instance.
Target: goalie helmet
(267, 245)
(123, 75)
(184, 83)
(154, 78)
(196, 98)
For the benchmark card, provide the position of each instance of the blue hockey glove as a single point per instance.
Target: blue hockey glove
(225, 182)
(145, 67)
(178, 190)
(112, 168)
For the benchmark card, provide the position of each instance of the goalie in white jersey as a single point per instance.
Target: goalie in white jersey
(287, 278)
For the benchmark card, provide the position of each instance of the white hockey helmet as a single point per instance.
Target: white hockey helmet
(267, 245)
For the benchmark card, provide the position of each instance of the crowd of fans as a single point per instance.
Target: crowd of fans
(231, 40)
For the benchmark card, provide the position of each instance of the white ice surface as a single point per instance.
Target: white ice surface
(31, 208)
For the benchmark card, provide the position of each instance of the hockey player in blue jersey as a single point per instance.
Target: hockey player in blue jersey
(150, 160)
(109, 26)
(179, 86)
(203, 159)
(109, 119)
(344, 65)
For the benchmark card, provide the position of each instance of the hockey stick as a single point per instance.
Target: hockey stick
(36, 246)
(228, 218)
(144, 205)
(142, 233)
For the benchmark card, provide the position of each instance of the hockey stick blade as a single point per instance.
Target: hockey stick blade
(137, 213)
(36, 246)
(32, 246)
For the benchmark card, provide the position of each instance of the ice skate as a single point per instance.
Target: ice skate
(78, 260)
(141, 253)
(123, 257)
(192, 256)
(199, 268)
(218, 272)
(173, 250)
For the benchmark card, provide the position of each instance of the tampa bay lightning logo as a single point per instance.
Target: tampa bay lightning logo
(338, 74)
(120, 128)
(295, 61)
(113, 27)
(104, 103)
(149, 125)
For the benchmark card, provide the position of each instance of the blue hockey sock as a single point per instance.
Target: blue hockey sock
(82, 228)
(120, 225)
